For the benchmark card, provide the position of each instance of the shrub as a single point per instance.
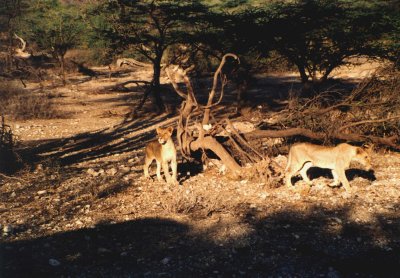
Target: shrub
(8, 158)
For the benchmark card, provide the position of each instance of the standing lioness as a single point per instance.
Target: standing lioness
(303, 156)
(163, 151)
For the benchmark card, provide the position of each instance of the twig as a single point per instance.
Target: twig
(368, 122)
(12, 178)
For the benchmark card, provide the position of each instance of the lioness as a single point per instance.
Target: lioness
(303, 156)
(163, 151)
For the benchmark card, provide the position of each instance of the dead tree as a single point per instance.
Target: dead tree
(194, 135)
(20, 52)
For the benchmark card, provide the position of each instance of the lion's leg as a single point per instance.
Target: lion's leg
(343, 179)
(146, 166)
(336, 180)
(159, 178)
(174, 167)
(288, 171)
(165, 168)
(288, 179)
(288, 176)
(303, 172)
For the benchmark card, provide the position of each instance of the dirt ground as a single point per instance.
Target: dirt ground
(80, 207)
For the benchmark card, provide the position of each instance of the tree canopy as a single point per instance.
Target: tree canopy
(316, 36)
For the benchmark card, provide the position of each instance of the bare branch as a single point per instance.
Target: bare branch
(388, 141)
(368, 122)
(206, 118)
(20, 52)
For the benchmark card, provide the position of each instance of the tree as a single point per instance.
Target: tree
(319, 36)
(10, 11)
(55, 27)
(148, 28)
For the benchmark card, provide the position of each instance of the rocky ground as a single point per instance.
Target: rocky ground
(80, 207)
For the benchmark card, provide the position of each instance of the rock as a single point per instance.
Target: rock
(103, 250)
(54, 262)
(111, 171)
(39, 168)
(92, 172)
(41, 192)
(333, 273)
(7, 229)
(166, 260)
(13, 194)
(125, 169)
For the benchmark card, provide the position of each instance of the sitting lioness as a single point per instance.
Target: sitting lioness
(303, 156)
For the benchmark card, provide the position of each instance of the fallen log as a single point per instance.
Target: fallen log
(392, 141)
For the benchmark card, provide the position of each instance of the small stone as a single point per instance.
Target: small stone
(92, 172)
(264, 195)
(103, 250)
(54, 262)
(125, 169)
(13, 194)
(166, 260)
(41, 192)
(338, 220)
(111, 172)
(7, 229)
(39, 168)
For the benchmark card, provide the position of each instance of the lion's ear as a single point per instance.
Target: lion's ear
(369, 147)
(170, 129)
(158, 130)
(359, 150)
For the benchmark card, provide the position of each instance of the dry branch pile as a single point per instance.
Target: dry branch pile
(204, 134)
(369, 113)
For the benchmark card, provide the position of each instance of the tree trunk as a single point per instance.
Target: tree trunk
(303, 74)
(62, 67)
(156, 94)
(213, 145)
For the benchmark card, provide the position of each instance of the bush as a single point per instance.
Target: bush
(8, 158)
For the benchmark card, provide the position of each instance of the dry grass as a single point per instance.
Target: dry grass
(17, 103)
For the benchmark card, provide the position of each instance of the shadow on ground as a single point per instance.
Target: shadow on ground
(283, 244)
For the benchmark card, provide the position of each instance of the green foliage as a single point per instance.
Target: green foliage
(150, 27)
(314, 35)
(54, 26)
(10, 10)
(318, 36)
